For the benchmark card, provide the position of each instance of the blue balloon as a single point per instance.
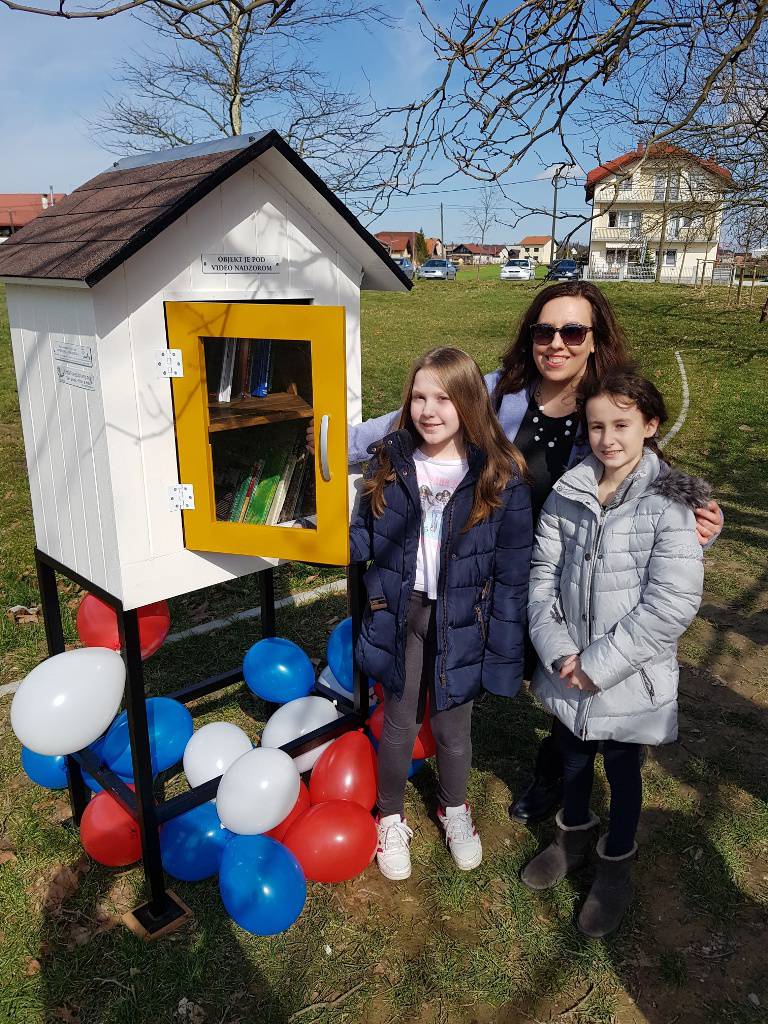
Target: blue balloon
(97, 749)
(192, 844)
(262, 884)
(49, 770)
(277, 670)
(340, 657)
(416, 765)
(170, 729)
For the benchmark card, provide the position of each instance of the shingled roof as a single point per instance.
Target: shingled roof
(94, 229)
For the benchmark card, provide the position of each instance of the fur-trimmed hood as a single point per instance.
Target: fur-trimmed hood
(690, 491)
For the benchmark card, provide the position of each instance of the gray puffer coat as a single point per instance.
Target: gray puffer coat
(618, 586)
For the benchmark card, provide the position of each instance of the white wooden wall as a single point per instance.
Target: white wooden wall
(250, 213)
(64, 433)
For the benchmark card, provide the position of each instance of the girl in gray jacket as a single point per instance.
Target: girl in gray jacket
(616, 579)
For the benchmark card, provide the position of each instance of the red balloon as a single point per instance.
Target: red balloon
(334, 841)
(301, 805)
(378, 692)
(424, 745)
(108, 833)
(97, 625)
(346, 771)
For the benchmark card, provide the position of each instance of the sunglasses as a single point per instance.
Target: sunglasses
(572, 335)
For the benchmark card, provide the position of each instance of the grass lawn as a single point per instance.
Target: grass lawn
(444, 947)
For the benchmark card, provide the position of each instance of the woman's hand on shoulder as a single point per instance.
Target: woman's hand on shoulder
(709, 522)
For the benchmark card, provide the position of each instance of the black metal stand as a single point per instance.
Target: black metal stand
(163, 909)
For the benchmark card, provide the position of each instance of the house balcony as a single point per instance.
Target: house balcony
(636, 236)
(682, 196)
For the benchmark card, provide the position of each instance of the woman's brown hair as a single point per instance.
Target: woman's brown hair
(461, 379)
(630, 388)
(518, 369)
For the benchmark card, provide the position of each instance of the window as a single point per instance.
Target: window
(536, 249)
(660, 187)
(670, 258)
(625, 184)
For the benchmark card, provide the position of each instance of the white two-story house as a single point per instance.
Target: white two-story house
(658, 204)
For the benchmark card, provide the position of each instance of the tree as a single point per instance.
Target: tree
(272, 12)
(422, 253)
(481, 217)
(214, 73)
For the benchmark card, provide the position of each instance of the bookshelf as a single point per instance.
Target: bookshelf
(251, 412)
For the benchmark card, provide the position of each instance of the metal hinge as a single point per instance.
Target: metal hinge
(181, 496)
(168, 361)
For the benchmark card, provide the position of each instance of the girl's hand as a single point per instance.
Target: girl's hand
(709, 522)
(575, 678)
(311, 436)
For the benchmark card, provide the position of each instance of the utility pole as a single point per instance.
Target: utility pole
(442, 232)
(555, 178)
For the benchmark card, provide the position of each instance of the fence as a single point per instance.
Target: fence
(735, 276)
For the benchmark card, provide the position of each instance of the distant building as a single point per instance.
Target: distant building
(403, 243)
(19, 208)
(664, 204)
(468, 252)
(537, 248)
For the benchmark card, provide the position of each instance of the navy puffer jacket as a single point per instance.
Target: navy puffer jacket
(482, 585)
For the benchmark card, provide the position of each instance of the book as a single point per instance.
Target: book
(214, 355)
(240, 375)
(284, 483)
(262, 389)
(295, 488)
(225, 486)
(227, 369)
(245, 488)
(275, 459)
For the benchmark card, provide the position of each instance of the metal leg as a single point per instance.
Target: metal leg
(356, 602)
(79, 794)
(161, 909)
(267, 581)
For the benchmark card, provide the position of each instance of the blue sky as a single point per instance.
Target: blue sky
(55, 75)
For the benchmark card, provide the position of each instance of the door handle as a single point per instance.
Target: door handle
(325, 469)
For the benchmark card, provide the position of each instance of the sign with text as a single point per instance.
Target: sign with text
(238, 263)
(76, 378)
(72, 352)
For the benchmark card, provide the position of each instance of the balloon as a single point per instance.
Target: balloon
(378, 692)
(416, 765)
(297, 718)
(346, 771)
(192, 844)
(97, 625)
(68, 701)
(277, 670)
(424, 745)
(97, 749)
(262, 885)
(258, 791)
(329, 679)
(108, 833)
(340, 657)
(49, 770)
(170, 729)
(212, 750)
(333, 841)
(301, 805)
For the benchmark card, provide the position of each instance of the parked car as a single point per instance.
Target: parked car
(437, 270)
(563, 270)
(517, 270)
(405, 265)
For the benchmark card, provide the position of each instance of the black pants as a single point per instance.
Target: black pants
(622, 762)
(402, 720)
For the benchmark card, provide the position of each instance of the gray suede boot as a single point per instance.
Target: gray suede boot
(565, 854)
(610, 895)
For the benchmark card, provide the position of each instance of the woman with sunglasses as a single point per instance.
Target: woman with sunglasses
(568, 333)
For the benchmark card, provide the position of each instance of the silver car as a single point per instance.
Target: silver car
(405, 265)
(517, 270)
(437, 270)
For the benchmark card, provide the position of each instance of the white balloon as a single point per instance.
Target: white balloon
(212, 749)
(258, 791)
(297, 718)
(329, 679)
(69, 700)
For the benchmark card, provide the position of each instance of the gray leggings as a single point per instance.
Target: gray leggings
(402, 719)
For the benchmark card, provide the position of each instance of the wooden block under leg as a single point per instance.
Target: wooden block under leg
(140, 922)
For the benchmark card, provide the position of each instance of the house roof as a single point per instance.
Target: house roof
(480, 250)
(96, 228)
(397, 240)
(658, 149)
(19, 208)
(535, 240)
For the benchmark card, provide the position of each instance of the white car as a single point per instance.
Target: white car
(517, 270)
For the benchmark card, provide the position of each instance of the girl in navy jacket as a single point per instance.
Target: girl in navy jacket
(445, 520)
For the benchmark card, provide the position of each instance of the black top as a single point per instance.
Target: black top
(546, 443)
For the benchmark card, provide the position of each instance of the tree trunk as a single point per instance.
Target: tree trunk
(663, 232)
(764, 312)
(235, 82)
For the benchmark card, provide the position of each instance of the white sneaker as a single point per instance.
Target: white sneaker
(461, 836)
(393, 854)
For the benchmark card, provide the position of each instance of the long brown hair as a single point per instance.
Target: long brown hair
(518, 369)
(461, 379)
(624, 382)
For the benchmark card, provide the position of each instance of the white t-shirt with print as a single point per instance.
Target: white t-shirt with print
(437, 480)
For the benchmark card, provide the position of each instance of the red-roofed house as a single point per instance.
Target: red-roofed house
(403, 243)
(537, 248)
(19, 208)
(469, 252)
(664, 203)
